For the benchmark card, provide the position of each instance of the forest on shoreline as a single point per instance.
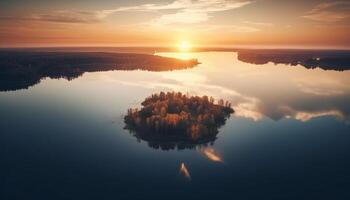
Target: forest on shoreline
(20, 70)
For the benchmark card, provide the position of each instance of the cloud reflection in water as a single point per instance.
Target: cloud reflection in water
(211, 154)
(184, 171)
(256, 91)
(270, 90)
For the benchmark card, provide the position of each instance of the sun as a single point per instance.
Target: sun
(184, 46)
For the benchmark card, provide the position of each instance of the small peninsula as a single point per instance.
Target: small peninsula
(174, 116)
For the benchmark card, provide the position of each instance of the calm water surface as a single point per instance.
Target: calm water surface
(288, 139)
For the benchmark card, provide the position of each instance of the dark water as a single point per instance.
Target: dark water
(288, 139)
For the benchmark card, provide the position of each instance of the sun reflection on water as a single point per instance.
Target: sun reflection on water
(183, 55)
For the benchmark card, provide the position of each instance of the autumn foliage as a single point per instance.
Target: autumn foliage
(176, 114)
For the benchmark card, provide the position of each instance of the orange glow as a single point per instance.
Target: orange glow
(178, 23)
(184, 46)
(181, 55)
(184, 171)
(211, 154)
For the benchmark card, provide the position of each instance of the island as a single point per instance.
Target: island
(173, 119)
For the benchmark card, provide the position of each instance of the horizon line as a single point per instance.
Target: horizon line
(194, 47)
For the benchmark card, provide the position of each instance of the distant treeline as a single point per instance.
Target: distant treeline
(20, 70)
(178, 118)
(325, 59)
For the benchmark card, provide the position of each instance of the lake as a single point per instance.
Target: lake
(288, 138)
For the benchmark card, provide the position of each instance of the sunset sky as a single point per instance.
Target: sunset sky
(229, 23)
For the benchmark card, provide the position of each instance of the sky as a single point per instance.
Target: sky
(224, 23)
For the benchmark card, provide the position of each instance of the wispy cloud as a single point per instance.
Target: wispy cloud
(186, 11)
(329, 12)
(182, 17)
(260, 24)
(60, 17)
(194, 5)
(176, 12)
(227, 28)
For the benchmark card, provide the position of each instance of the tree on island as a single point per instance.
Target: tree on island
(177, 116)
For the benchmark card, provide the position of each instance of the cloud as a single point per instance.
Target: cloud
(176, 12)
(306, 116)
(150, 7)
(329, 12)
(183, 17)
(260, 24)
(59, 17)
(227, 28)
(194, 5)
(186, 11)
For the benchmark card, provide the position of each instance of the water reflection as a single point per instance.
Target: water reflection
(184, 171)
(60, 130)
(268, 90)
(173, 143)
(256, 91)
(211, 154)
(20, 70)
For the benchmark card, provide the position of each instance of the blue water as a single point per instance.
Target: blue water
(64, 139)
